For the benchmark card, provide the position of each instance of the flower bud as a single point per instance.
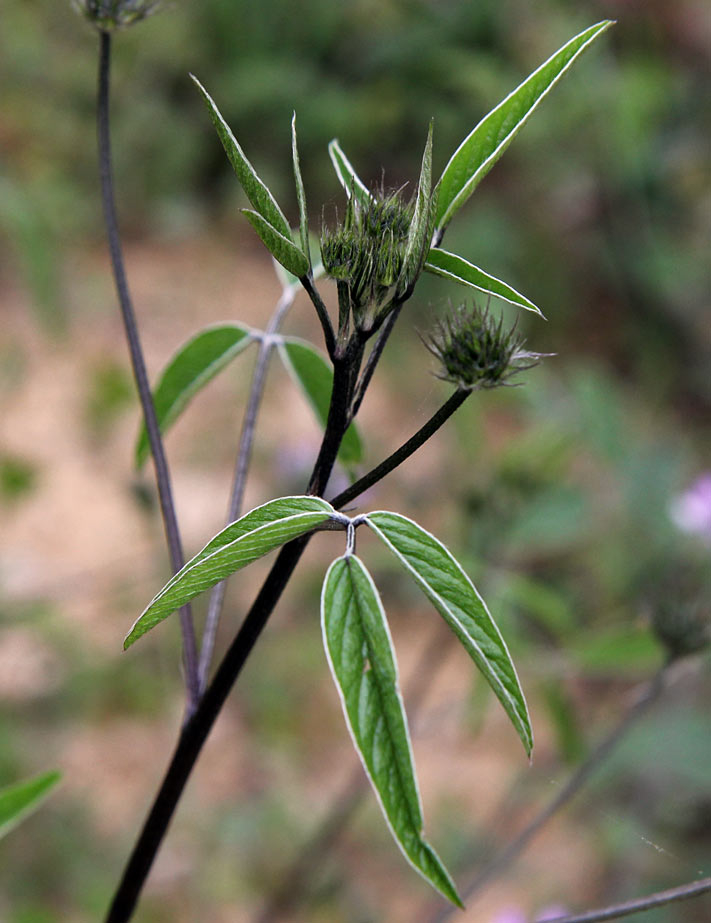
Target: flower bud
(366, 252)
(108, 15)
(475, 351)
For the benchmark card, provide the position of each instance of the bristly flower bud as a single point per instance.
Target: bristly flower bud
(108, 15)
(476, 352)
(682, 627)
(367, 252)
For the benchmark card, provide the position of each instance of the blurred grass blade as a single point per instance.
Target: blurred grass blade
(256, 191)
(281, 248)
(420, 233)
(22, 798)
(314, 375)
(450, 266)
(191, 368)
(453, 594)
(347, 176)
(253, 535)
(300, 195)
(361, 657)
(480, 150)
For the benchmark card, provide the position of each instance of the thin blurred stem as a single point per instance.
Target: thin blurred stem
(627, 908)
(510, 853)
(160, 462)
(244, 455)
(295, 883)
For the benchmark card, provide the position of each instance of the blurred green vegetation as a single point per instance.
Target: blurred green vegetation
(556, 494)
(598, 211)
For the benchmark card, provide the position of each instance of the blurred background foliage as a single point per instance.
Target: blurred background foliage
(556, 495)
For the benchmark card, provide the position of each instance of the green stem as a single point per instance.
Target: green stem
(155, 441)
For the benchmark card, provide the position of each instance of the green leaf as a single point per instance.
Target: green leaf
(253, 535)
(347, 176)
(450, 266)
(313, 373)
(191, 368)
(256, 191)
(420, 233)
(361, 657)
(281, 248)
(454, 596)
(300, 194)
(480, 150)
(288, 279)
(22, 798)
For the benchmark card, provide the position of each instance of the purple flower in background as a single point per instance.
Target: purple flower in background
(510, 915)
(691, 511)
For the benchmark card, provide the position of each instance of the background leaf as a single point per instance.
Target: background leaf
(450, 266)
(253, 535)
(361, 657)
(22, 798)
(257, 192)
(456, 599)
(312, 371)
(281, 248)
(191, 368)
(480, 150)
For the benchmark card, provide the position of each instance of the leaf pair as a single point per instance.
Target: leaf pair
(360, 653)
(470, 163)
(199, 360)
(358, 643)
(266, 217)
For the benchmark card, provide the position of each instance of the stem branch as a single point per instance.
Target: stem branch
(404, 452)
(140, 375)
(244, 455)
(626, 908)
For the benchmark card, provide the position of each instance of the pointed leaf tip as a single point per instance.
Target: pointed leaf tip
(256, 190)
(250, 537)
(360, 654)
(485, 144)
(452, 593)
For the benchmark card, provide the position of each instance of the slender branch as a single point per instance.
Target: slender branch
(405, 450)
(626, 908)
(373, 360)
(160, 462)
(326, 325)
(648, 697)
(244, 454)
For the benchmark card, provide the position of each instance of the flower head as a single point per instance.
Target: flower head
(366, 252)
(107, 15)
(476, 352)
